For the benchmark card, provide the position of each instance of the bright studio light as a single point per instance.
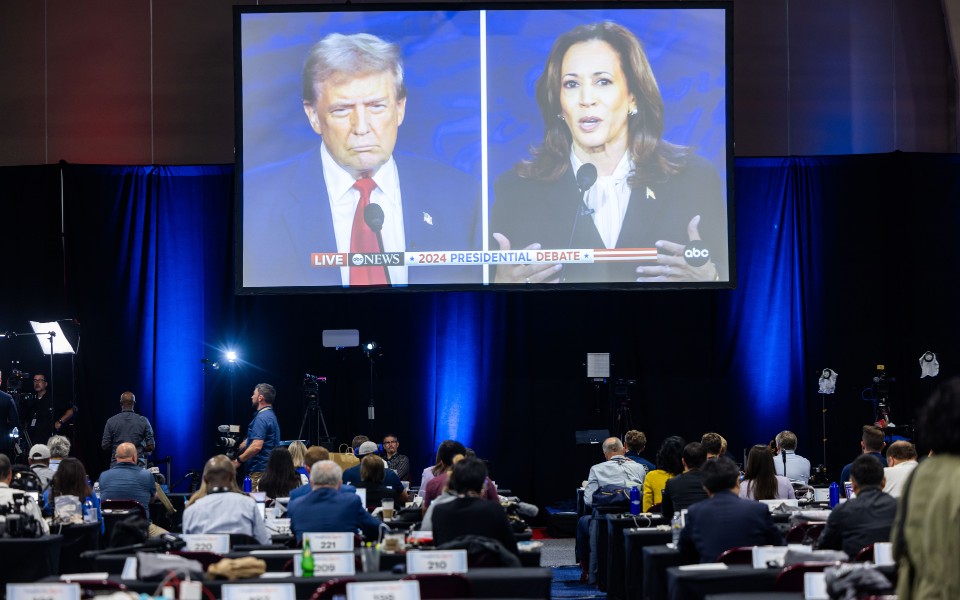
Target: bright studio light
(231, 356)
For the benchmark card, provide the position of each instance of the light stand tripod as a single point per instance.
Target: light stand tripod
(827, 385)
(311, 397)
(372, 350)
(622, 418)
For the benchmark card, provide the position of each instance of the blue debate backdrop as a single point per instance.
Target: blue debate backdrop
(832, 277)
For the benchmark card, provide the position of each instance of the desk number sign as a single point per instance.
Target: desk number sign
(329, 564)
(436, 561)
(218, 543)
(385, 590)
(259, 591)
(330, 542)
(43, 591)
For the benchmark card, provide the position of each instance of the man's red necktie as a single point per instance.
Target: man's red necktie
(363, 239)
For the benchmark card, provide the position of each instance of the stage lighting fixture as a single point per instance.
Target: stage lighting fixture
(929, 366)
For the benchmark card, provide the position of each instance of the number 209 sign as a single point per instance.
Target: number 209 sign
(436, 561)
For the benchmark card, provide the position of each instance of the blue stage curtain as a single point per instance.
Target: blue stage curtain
(142, 246)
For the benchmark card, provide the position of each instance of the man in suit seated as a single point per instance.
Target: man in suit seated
(686, 489)
(325, 508)
(724, 520)
(865, 519)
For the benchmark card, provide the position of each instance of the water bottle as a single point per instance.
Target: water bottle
(306, 558)
(89, 512)
(834, 494)
(634, 501)
(247, 484)
(675, 528)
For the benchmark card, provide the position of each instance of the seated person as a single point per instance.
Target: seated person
(468, 513)
(760, 479)
(298, 453)
(724, 520)
(7, 493)
(126, 480)
(436, 485)
(670, 465)
(352, 475)
(866, 519)
(372, 471)
(313, 455)
(280, 476)
(448, 448)
(224, 508)
(70, 480)
(325, 508)
(686, 489)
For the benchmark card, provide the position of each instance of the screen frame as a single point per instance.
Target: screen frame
(239, 11)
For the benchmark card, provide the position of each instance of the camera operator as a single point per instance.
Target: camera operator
(263, 434)
(42, 416)
(7, 496)
(128, 426)
(9, 420)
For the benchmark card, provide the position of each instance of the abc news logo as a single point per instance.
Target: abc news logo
(696, 254)
(376, 259)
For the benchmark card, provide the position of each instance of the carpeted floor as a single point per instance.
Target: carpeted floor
(566, 584)
(558, 554)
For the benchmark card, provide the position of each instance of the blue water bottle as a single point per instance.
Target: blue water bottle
(248, 484)
(634, 501)
(834, 494)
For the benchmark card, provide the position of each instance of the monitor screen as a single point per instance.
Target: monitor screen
(476, 146)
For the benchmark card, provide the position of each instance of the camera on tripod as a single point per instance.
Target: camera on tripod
(229, 438)
(311, 386)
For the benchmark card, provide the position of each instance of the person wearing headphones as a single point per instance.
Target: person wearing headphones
(128, 426)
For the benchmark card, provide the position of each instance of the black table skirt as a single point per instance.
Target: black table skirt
(24, 560)
(525, 583)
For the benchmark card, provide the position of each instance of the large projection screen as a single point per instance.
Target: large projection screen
(469, 146)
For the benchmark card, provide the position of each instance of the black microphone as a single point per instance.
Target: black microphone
(373, 217)
(586, 177)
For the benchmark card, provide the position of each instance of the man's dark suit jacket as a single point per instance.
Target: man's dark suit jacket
(726, 521)
(531, 211)
(327, 509)
(859, 522)
(287, 217)
(682, 491)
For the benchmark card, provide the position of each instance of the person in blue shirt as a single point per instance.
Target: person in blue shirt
(71, 480)
(263, 434)
(636, 442)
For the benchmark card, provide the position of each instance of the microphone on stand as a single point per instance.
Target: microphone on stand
(586, 177)
(373, 217)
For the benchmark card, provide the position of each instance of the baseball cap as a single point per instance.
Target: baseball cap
(367, 448)
(39, 451)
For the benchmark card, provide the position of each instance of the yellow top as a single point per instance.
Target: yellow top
(653, 485)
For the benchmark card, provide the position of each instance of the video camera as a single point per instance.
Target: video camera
(229, 438)
(15, 520)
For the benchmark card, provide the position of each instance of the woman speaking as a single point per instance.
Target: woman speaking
(604, 177)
